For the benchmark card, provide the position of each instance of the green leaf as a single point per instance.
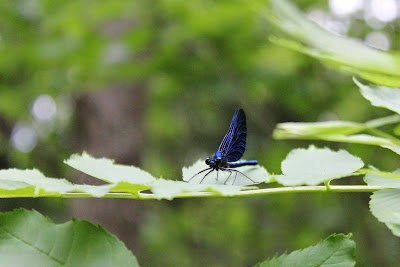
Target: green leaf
(256, 173)
(330, 131)
(313, 166)
(394, 148)
(311, 130)
(336, 250)
(106, 170)
(303, 35)
(165, 189)
(381, 96)
(126, 178)
(375, 177)
(32, 183)
(385, 206)
(29, 239)
(12, 179)
(342, 131)
(131, 179)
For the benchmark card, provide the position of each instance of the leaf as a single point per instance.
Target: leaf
(29, 239)
(385, 206)
(108, 171)
(126, 178)
(132, 179)
(381, 96)
(313, 166)
(341, 131)
(256, 173)
(336, 250)
(365, 139)
(303, 35)
(394, 148)
(165, 189)
(32, 183)
(95, 190)
(338, 131)
(12, 179)
(375, 177)
(314, 129)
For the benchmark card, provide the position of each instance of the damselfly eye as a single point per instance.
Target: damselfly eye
(208, 161)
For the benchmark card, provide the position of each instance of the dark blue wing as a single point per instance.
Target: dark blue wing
(234, 143)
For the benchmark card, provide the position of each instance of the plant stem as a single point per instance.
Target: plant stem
(265, 191)
(377, 132)
(375, 123)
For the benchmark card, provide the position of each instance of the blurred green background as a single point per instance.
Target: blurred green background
(154, 84)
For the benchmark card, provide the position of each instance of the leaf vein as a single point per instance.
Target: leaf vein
(32, 246)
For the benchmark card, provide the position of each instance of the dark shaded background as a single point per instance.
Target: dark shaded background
(154, 84)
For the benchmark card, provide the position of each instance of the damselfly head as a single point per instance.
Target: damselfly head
(213, 162)
(217, 161)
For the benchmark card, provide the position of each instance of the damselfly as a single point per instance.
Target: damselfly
(230, 150)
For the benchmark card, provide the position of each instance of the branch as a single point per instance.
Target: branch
(265, 191)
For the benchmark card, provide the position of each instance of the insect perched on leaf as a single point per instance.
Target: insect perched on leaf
(230, 150)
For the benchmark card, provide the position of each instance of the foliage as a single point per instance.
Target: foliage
(130, 182)
(335, 250)
(382, 202)
(350, 55)
(310, 166)
(313, 166)
(29, 238)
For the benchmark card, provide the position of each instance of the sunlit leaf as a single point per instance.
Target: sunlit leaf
(340, 131)
(11, 179)
(302, 34)
(315, 129)
(381, 96)
(29, 239)
(385, 206)
(378, 178)
(336, 250)
(95, 190)
(126, 178)
(313, 166)
(108, 171)
(164, 189)
(32, 183)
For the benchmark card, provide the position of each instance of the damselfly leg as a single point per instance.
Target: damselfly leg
(206, 175)
(198, 174)
(230, 173)
(233, 170)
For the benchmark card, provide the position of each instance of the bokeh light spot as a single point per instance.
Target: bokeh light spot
(384, 10)
(44, 108)
(345, 7)
(23, 137)
(378, 40)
